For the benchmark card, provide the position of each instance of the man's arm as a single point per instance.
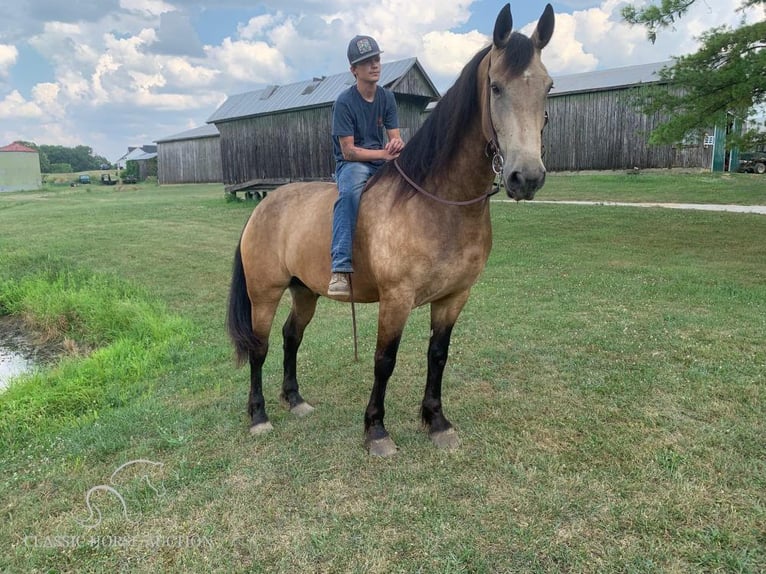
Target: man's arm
(354, 153)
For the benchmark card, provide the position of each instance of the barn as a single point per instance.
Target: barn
(140, 161)
(594, 124)
(19, 168)
(192, 156)
(282, 133)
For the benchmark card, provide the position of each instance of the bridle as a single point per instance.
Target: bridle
(491, 150)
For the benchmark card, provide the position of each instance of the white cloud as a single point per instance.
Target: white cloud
(258, 25)
(8, 56)
(446, 53)
(250, 62)
(14, 106)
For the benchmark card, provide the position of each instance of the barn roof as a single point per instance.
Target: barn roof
(608, 79)
(16, 146)
(309, 93)
(139, 153)
(206, 131)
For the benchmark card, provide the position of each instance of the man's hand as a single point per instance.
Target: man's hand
(393, 148)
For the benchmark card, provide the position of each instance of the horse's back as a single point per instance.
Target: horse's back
(288, 234)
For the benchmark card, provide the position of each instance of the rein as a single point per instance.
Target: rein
(498, 161)
(416, 187)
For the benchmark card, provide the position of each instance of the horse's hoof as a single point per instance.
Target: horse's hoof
(302, 409)
(381, 446)
(261, 428)
(446, 439)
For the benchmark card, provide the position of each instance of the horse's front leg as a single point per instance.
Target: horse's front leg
(444, 313)
(392, 316)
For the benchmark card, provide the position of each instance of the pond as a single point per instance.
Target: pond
(17, 352)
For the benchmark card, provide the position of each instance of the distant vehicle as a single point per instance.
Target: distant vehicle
(84, 179)
(129, 179)
(105, 166)
(753, 162)
(106, 179)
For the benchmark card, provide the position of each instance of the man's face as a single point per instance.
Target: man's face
(367, 70)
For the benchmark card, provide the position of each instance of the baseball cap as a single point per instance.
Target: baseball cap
(362, 47)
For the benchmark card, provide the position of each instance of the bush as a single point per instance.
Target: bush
(61, 168)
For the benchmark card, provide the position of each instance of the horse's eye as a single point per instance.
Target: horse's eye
(495, 88)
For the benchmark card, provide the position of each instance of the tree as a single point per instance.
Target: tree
(81, 157)
(724, 78)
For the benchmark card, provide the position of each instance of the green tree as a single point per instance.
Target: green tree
(724, 77)
(81, 157)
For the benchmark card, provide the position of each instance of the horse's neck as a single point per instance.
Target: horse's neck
(469, 175)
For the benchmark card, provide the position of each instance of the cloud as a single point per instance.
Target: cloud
(444, 54)
(251, 63)
(177, 36)
(8, 56)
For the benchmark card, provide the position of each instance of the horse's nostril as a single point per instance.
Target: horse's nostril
(516, 180)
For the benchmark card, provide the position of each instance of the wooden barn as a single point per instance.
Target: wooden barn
(193, 156)
(594, 124)
(19, 168)
(282, 133)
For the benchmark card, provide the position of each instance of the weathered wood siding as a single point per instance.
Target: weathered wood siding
(190, 161)
(603, 130)
(295, 144)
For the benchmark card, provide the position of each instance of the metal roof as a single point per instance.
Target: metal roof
(307, 94)
(206, 131)
(608, 79)
(16, 146)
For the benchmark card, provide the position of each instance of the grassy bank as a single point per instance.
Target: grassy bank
(606, 377)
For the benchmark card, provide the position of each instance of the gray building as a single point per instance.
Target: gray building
(192, 156)
(594, 123)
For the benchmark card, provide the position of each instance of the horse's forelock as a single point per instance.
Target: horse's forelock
(518, 53)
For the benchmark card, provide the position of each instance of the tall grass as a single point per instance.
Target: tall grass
(114, 339)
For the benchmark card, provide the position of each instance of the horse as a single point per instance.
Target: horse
(423, 233)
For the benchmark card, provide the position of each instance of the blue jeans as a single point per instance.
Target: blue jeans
(351, 177)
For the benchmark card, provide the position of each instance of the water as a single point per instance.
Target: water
(17, 355)
(11, 365)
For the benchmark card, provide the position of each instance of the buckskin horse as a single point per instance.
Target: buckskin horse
(423, 233)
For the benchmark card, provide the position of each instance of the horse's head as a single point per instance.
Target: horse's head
(513, 94)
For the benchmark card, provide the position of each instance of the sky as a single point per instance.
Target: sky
(116, 73)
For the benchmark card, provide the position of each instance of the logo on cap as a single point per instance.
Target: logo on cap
(364, 46)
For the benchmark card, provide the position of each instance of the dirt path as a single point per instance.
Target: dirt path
(759, 209)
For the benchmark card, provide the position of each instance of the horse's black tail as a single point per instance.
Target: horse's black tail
(239, 315)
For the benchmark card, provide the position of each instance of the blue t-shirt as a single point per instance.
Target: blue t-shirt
(352, 115)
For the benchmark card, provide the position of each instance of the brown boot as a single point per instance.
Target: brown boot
(338, 285)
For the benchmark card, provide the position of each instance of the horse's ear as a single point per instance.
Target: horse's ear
(503, 27)
(544, 29)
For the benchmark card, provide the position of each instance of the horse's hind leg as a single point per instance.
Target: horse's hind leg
(263, 311)
(444, 313)
(304, 305)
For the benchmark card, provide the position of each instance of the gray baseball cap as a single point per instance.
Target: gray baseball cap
(362, 47)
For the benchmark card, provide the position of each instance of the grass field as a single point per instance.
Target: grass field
(606, 378)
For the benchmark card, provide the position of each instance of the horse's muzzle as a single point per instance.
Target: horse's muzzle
(519, 185)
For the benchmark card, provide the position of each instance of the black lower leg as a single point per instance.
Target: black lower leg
(431, 410)
(292, 337)
(256, 406)
(385, 361)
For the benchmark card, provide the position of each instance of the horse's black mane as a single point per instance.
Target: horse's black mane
(432, 147)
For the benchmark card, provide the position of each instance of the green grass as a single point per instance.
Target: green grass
(658, 186)
(606, 378)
